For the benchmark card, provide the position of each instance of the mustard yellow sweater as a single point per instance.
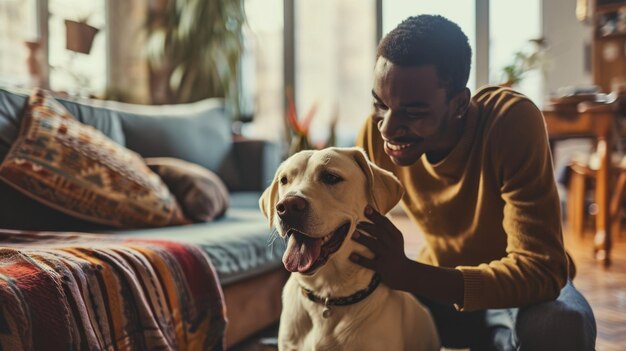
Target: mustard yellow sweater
(490, 208)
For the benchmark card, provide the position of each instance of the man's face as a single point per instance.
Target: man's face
(411, 110)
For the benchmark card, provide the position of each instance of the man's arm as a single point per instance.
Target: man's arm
(535, 267)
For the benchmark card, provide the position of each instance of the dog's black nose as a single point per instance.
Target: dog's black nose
(292, 208)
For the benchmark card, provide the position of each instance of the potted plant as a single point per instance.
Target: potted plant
(194, 50)
(297, 131)
(79, 35)
(524, 62)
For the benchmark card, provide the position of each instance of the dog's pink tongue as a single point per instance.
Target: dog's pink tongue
(301, 252)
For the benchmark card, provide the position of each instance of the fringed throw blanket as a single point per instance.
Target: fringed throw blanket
(68, 291)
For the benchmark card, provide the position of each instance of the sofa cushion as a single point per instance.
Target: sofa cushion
(13, 103)
(240, 244)
(246, 200)
(198, 132)
(201, 194)
(76, 169)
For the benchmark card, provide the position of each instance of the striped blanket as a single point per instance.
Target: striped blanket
(69, 291)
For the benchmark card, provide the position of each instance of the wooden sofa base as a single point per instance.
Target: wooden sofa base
(253, 304)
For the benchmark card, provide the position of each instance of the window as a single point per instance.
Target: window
(73, 72)
(262, 68)
(511, 25)
(335, 48)
(17, 26)
(333, 53)
(462, 12)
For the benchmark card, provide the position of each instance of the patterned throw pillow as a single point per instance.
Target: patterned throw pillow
(200, 193)
(76, 169)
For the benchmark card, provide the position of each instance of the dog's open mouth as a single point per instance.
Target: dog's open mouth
(305, 254)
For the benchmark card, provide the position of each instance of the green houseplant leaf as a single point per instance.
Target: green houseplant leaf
(194, 49)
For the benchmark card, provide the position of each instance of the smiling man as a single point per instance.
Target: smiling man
(478, 176)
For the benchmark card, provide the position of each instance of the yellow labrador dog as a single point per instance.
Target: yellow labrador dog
(329, 303)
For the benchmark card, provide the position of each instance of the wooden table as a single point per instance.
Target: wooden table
(596, 120)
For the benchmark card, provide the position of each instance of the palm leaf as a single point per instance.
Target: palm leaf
(198, 45)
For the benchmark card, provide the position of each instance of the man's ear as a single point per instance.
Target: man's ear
(461, 102)
(268, 200)
(385, 190)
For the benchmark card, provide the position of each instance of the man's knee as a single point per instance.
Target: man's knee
(556, 325)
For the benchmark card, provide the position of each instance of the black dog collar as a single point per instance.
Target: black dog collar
(342, 301)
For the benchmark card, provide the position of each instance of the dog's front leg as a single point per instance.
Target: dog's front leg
(295, 323)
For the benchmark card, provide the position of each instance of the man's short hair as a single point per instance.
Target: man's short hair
(430, 40)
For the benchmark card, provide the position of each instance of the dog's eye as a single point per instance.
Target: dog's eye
(283, 180)
(330, 179)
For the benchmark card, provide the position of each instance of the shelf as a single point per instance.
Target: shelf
(603, 69)
(619, 35)
(602, 9)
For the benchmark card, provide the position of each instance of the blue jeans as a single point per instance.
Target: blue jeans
(566, 323)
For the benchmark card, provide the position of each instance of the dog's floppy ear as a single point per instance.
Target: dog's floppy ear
(386, 190)
(268, 200)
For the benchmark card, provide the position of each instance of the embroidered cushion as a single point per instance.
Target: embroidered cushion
(76, 169)
(201, 193)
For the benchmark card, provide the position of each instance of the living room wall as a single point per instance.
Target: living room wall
(568, 39)
(127, 67)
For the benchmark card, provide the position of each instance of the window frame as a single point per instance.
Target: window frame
(480, 51)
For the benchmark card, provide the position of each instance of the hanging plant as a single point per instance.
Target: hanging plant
(79, 36)
(194, 50)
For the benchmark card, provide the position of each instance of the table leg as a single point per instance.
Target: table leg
(576, 208)
(616, 203)
(602, 240)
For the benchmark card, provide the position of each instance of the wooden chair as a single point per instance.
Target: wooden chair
(581, 181)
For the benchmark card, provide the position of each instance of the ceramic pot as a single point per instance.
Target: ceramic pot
(79, 36)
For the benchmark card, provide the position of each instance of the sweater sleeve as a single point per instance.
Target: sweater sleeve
(535, 267)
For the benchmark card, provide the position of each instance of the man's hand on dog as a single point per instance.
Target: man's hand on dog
(387, 244)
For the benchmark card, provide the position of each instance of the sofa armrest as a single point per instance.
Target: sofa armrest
(254, 163)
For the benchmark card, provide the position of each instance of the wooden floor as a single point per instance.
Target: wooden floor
(605, 288)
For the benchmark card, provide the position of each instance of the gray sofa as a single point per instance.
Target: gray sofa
(238, 244)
